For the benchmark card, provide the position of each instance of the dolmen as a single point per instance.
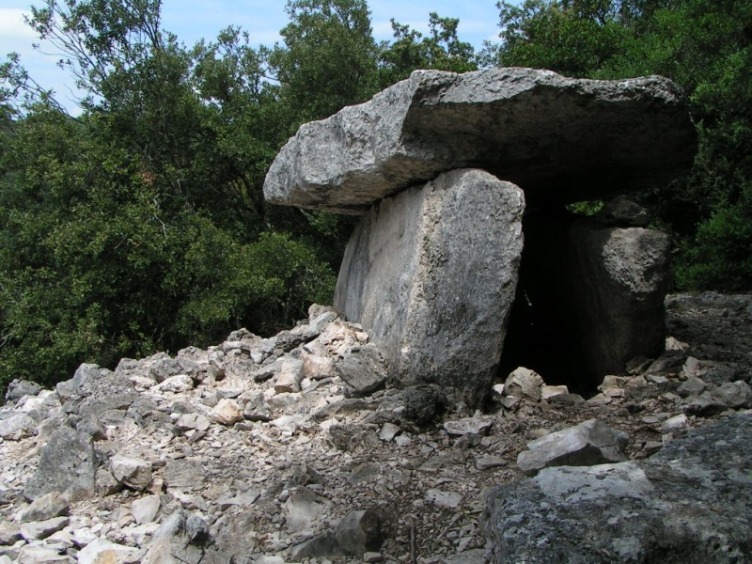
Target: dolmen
(465, 241)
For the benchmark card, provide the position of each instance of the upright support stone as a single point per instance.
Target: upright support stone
(431, 274)
(596, 294)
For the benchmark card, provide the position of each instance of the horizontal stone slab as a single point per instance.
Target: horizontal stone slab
(560, 139)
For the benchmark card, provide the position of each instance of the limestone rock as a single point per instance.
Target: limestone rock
(711, 372)
(363, 370)
(524, 383)
(405, 279)
(442, 498)
(588, 443)
(670, 504)
(67, 465)
(668, 362)
(97, 395)
(227, 412)
(561, 139)
(31, 554)
(360, 532)
(549, 392)
(388, 432)
(133, 472)
(731, 395)
(629, 268)
(20, 388)
(322, 546)
(145, 509)
(594, 297)
(184, 537)
(48, 506)
(303, 508)
(317, 367)
(489, 461)
(186, 473)
(289, 377)
(692, 386)
(16, 427)
(106, 483)
(194, 421)
(220, 491)
(43, 529)
(104, 551)
(177, 384)
(478, 425)
(9, 533)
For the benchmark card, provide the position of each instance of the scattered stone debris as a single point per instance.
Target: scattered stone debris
(671, 504)
(118, 468)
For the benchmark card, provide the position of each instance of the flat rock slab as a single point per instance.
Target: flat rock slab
(561, 139)
(431, 275)
(588, 443)
(688, 503)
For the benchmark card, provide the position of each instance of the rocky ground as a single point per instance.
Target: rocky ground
(291, 449)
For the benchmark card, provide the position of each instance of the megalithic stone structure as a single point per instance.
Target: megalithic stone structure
(432, 268)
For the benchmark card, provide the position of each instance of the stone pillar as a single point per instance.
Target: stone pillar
(431, 274)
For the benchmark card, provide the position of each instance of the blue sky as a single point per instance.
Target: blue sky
(191, 20)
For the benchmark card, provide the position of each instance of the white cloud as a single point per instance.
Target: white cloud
(15, 34)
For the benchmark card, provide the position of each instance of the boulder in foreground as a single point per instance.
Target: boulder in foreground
(688, 503)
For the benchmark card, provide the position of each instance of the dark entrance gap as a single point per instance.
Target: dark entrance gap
(545, 328)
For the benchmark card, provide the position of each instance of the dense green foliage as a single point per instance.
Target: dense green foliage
(140, 225)
(706, 47)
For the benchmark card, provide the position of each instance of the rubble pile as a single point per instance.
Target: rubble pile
(295, 448)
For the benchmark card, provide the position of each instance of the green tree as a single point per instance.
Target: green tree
(328, 60)
(441, 50)
(705, 47)
(571, 37)
(141, 225)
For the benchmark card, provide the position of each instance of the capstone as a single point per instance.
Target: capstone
(561, 139)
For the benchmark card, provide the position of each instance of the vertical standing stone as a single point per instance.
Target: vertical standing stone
(431, 274)
(596, 294)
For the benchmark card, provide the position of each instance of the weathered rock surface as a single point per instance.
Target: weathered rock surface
(673, 507)
(20, 388)
(131, 471)
(523, 382)
(561, 139)
(405, 278)
(67, 464)
(363, 370)
(219, 491)
(728, 318)
(589, 443)
(591, 298)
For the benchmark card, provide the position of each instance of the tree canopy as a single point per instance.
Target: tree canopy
(705, 47)
(140, 224)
